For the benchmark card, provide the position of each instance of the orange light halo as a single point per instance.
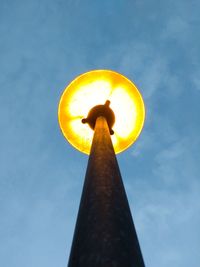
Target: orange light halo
(94, 88)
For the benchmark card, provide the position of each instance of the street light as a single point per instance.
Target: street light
(101, 113)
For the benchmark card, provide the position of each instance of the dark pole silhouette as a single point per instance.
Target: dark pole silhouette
(104, 235)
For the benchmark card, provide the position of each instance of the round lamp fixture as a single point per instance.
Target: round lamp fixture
(107, 91)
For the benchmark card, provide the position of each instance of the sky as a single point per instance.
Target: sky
(45, 44)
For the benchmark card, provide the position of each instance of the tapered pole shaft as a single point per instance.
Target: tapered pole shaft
(104, 235)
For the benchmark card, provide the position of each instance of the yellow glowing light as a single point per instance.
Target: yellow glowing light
(94, 88)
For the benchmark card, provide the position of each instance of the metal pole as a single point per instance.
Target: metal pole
(104, 235)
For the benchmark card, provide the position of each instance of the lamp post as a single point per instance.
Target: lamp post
(104, 235)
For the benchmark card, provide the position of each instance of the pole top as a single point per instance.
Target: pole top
(104, 91)
(101, 110)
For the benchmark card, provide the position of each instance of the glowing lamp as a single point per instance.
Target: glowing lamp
(95, 88)
(101, 113)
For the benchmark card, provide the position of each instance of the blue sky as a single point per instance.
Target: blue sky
(43, 46)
